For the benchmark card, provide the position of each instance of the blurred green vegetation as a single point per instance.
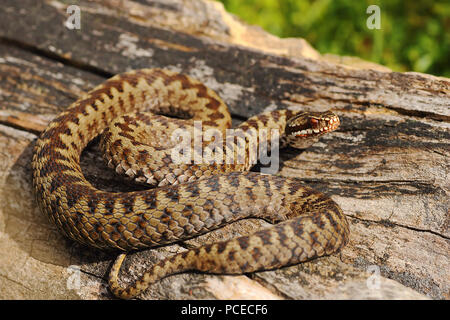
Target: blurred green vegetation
(414, 35)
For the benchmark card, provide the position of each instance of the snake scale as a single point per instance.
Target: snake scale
(189, 200)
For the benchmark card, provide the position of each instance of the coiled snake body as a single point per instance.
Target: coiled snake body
(191, 199)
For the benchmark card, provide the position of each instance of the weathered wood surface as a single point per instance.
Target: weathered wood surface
(387, 166)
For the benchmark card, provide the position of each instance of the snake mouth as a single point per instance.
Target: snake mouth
(311, 124)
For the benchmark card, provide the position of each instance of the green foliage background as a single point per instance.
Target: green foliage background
(414, 35)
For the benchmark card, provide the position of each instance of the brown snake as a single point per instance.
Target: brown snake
(191, 200)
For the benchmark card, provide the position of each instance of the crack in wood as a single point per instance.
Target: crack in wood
(55, 57)
(390, 224)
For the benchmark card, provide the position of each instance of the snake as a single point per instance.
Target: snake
(184, 200)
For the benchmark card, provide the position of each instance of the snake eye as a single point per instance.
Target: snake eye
(314, 122)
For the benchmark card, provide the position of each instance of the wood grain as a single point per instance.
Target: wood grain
(387, 166)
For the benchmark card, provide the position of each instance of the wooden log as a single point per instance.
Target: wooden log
(387, 166)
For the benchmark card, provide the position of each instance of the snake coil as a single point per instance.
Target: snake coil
(191, 200)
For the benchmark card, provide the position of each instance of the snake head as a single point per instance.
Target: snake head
(309, 126)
